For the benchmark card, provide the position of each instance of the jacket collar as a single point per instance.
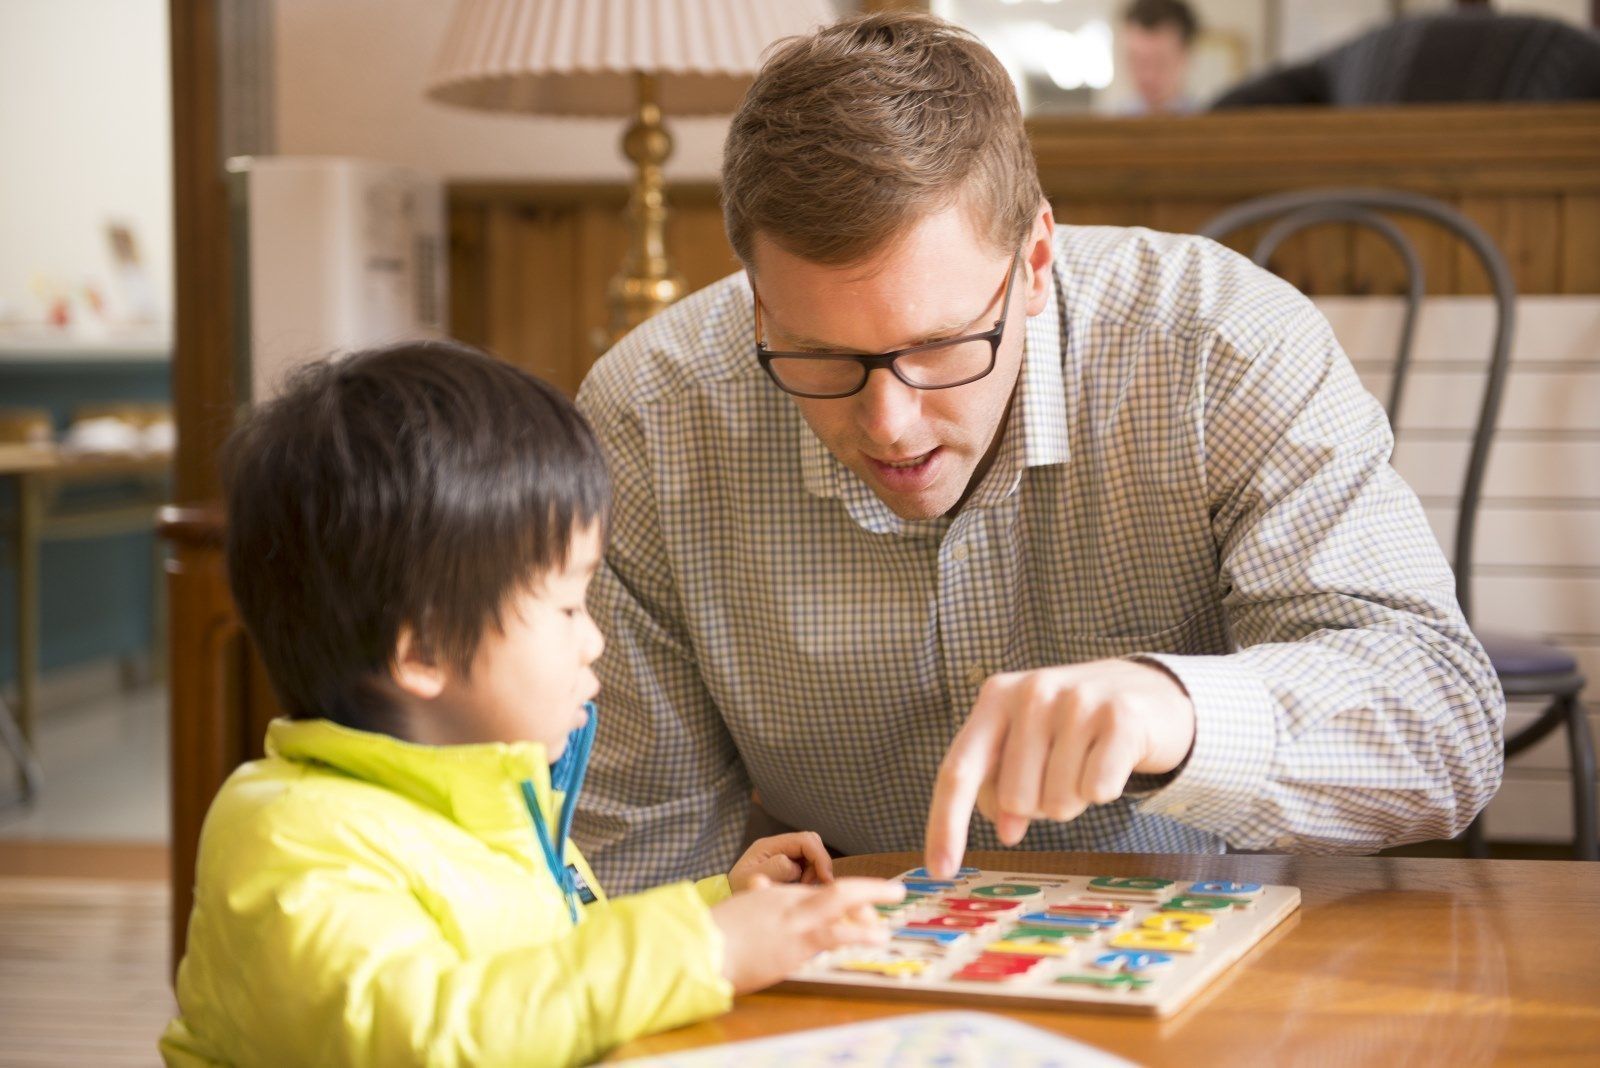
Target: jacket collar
(477, 786)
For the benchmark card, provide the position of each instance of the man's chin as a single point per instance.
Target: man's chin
(930, 503)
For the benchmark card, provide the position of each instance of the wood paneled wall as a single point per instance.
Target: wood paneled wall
(529, 266)
(529, 262)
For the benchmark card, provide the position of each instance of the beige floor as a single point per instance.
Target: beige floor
(105, 757)
(84, 931)
(83, 971)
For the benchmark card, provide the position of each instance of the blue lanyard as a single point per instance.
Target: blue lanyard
(566, 775)
(554, 853)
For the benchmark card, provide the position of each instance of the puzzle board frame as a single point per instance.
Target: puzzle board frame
(1235, 927)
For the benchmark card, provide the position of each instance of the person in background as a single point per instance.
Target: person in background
(411, 534)
(1157, 36)
(1470, 54)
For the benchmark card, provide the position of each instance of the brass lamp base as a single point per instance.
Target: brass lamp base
(647, 281)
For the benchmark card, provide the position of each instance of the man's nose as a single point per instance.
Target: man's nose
(886, 407)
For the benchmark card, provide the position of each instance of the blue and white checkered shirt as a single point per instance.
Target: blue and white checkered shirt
(1191, 473)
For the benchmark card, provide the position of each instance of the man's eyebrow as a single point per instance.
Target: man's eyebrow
(940, 333)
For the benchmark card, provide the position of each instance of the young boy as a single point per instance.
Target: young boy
(411, 534)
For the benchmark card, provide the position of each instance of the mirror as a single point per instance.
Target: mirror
(1081, 57)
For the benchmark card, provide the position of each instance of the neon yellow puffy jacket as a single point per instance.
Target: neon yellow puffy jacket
(362, 900)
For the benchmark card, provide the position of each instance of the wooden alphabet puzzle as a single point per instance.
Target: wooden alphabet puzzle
(1135, 944)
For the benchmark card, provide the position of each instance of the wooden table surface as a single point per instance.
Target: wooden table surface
(1389, 961)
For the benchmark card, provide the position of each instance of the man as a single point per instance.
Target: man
(938, 505)
(1156, 38)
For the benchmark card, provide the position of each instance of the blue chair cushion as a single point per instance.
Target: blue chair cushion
(1525, 656)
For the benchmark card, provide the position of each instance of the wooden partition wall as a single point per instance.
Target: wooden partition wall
(529, 262)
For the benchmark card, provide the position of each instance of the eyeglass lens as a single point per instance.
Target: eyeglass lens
(930, 368)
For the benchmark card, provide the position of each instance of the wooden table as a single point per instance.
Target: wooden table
(1389, 961)
(38, 473)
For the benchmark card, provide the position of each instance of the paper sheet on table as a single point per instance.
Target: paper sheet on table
(932, 1039)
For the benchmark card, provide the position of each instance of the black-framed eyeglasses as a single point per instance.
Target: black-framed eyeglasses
(935, 365)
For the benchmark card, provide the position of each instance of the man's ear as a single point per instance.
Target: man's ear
(414, 668)
(1039, 255)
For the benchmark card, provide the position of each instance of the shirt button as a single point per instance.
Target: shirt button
(960, 551)
(976, 674)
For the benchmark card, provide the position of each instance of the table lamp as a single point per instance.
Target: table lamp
(639, 58)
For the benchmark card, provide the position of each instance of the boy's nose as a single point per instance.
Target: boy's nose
(594, 642)
(886, 408)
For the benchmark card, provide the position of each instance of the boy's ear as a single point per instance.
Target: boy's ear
(414, 668)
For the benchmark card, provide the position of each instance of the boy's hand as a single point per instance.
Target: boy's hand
(784, 858)
(768, 931)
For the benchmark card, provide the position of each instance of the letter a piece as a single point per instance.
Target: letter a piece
(1129, 887)
(1131, 960)
(1202, 903)
(978, 904)
(1004, 890)
(965, 923)
(927, 886)
(892, 969)
(1160, 941)
(935, 937)
(1108, 982)
(1085, 907)
(1029, 946)
(923, 873)
(1178, 921)
(997, 967)
(1225, 888)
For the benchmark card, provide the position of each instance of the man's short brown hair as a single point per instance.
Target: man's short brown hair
(852, 133)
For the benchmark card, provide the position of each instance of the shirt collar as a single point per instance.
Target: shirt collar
(1036, 434)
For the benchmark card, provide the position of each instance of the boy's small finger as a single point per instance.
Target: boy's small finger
(846, 933)
(842, 895)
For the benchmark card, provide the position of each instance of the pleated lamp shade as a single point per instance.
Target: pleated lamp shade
(579, 57)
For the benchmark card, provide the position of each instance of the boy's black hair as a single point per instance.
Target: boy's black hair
(417, 485)
(1154, 14)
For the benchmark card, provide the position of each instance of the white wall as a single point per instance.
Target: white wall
(350, 77)
(1537, 561)
(85, 136)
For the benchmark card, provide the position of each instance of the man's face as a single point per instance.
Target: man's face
(1158, 60)
(921, 451)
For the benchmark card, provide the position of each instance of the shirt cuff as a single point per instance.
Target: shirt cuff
(1220, 783)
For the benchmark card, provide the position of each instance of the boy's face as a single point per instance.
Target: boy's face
(530, 678)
